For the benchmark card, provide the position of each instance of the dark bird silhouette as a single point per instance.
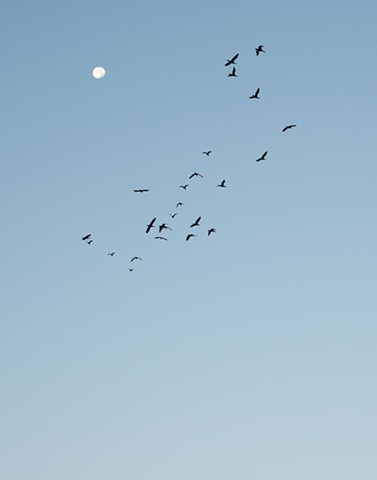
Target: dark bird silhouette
(196, 223)
(172, 215)
(161, 238)
(141, 190)
(135, 258)
(233, 73)
(163, 226)
(184, 186)
(89, 242)
(180, 204)
(86, 237)
(195, 174)
(232, 61)
(207, 153)
(190, 235)
(150, 225)
(287, 127)
(131, 269)
(211, 230)
(259, 50)
(222, 184)
(263, 157)
(256, 94)
(111, 254)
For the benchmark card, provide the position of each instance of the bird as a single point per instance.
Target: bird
(131, 269)
(196, 223)
(161, 238)
(287, 127)
(184, 186)
(162, 227)
(172, 215)
(180, 204)
(232, 61)
(111, 254)
(141, 190)
(233, 73)
(211, 230)
(208, 152)
(222, 184)
(259, 50)
(256, 94)
(195, 174)
(190, 235)
(86, 237)
(89, 242)
(135, 258)
(263, 157)
(150, 225)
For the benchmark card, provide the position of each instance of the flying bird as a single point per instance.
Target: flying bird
(256, 94)
(179, 204)
(211, 230)
(141, 190)
(86, 237)
(131, 269)
(233, 73)
(222, 184)
(287, 127)
(232, 61)
(135, 258)
(184, 186)
(162, 227)
(161, 238)
(111, 254)
(190, 235)
(207, 153)
(150, 225)
(259, 49)
(89, 242)
(172, 215)
(263, 157)
(195, 174)
(196, 223)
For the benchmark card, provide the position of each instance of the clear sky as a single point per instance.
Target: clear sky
(249, 354)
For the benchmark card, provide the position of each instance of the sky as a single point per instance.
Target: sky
(246, 354)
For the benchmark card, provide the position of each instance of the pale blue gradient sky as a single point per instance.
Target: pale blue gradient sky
(250, 354)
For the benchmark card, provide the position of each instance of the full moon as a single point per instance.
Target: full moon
(98, 72)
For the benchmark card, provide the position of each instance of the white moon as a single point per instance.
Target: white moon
(98, 72)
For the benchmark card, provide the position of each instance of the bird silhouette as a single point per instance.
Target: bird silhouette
(232, 61)
(111, 254)
(135, 258)
(207, 153)
(86, 237)
(259, 49)
(150, 225)
(263, 157)
(190, 235)
(287, 127)
(195, 174)
(161, 238)
(222, 184)
(184, 186)
(196, 223)
(163, 226)
(89, 242)
(131, 269)
(211, 230)
(172, 215)
(233, 73)
(256, 94)
(141, 190)
(180, 204)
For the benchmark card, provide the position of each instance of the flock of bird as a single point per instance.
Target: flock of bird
(196, 223)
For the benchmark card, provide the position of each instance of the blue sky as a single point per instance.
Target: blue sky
(247, 354)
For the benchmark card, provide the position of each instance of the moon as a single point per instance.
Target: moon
(98, 72)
